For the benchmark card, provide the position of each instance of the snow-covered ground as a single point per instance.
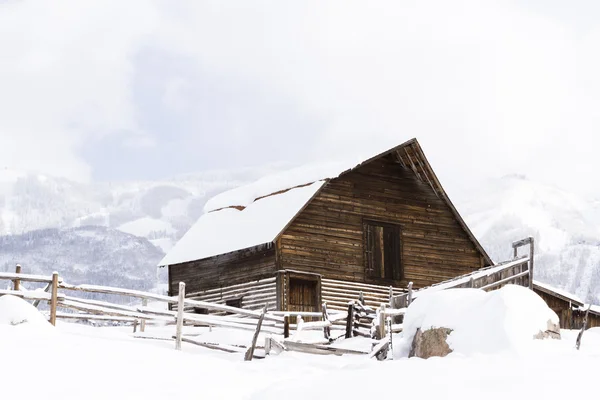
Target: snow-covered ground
(74, 361)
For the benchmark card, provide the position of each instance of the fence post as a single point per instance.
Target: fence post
(54, 298)
(143, 322)
(326, 330)
(391, 346)
(250, 352)
(350, 320)
(583, 327)
(17, 282)
(531, 251)
(180, 305)
(410, 294)
(391, 297)
(381, 328)
(286, 326)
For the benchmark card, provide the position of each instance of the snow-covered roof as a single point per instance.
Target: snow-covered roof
(241, 218)
(562, 293)
(236, 228)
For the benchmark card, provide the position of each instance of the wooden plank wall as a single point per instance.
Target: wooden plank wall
(223, 271)
(338, 293)
(561, 307)
(327, 237)
(254, 295)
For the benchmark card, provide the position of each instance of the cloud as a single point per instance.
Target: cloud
(66, 80)
(489, 88)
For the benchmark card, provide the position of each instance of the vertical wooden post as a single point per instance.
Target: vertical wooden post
(180, 306)
(390, 333)
(350, 320)
(143, 322)
(381, 327)
(286, 326)
(410, 293)
(361, 298)
(54, 298)
(250, 352)
(135, 324)
(17, 282)
(515, 252)
(531, 251)
(327, 329)
(391, 297)
(580, 335)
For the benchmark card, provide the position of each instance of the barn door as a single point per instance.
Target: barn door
(303, 294)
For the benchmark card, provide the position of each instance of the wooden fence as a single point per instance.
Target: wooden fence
(376, 316)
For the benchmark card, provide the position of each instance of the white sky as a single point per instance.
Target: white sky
(145, 89)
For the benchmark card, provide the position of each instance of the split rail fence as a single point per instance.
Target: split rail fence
(359, 319)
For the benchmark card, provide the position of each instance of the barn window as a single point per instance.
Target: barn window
(383, 251)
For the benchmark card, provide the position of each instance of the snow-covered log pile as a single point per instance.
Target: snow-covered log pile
(470, 321)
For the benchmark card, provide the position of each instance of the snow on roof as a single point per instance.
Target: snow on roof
(230, 229)
(245, 195)
(308, 173)
(544, 286)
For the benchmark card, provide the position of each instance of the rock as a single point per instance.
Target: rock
(552, 331)
(430, 343)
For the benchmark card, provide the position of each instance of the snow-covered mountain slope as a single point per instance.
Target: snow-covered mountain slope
(566, 228)
(96, 255)
(161, 211)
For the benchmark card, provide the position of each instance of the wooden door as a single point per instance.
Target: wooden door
(303, 295)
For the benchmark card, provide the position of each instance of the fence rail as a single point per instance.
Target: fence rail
(376, 315)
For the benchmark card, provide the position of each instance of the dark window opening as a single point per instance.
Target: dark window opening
(383, 251)
(199, 310)
(237, 303)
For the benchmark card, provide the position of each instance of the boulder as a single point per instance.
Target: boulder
(430, 343)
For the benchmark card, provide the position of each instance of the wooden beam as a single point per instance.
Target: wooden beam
(180, 306)
(413, 146)
(250, 353)
(17, 282)
(53, 298)
(412, 165)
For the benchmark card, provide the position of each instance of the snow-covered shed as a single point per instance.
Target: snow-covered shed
(569, 307)
(325, 233)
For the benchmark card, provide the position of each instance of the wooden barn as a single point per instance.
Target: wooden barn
(327, 233)
(569, 307)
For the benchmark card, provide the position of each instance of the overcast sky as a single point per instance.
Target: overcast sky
(115, 90)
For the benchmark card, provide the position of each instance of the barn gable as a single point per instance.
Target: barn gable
(259, 213)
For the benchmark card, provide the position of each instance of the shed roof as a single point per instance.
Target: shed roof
(258, 213)
(559, 293)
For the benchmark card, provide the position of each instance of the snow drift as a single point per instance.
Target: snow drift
(481, 322)
(16, 311)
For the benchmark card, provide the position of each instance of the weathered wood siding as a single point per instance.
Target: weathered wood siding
(253, 295)
(337, 293)
(222, 271)
(561, 307)
(327, 237)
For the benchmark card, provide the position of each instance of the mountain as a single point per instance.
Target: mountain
(92, 254)
(566, 228)
(109, 217)
(161, 211)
